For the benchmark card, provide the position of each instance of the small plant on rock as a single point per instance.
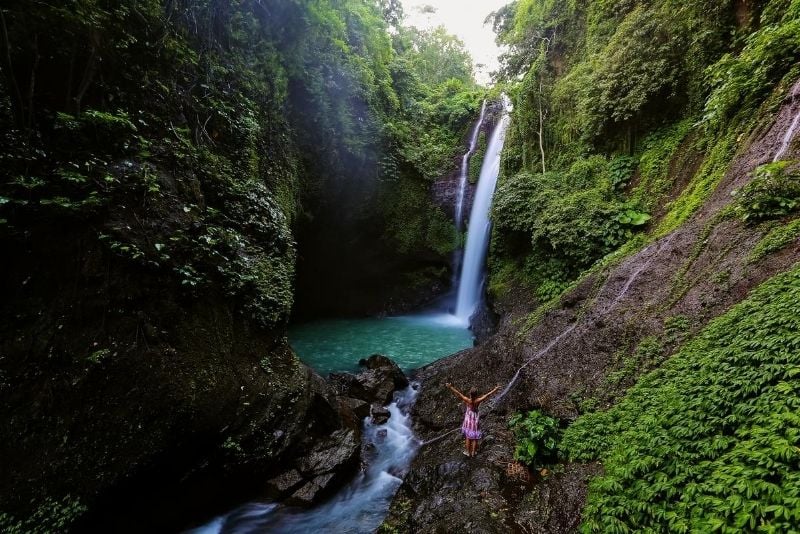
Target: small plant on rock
(537, 437)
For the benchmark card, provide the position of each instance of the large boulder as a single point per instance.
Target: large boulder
(379, 414)
(375, 384)
(357, 407)
(329, 463)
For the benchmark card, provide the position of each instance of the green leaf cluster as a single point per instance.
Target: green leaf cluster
(744, 78)
(575, 216)
(775, 239)
(537, 437)
(613, 90)
(711, 440)
(773, 192)
(218, 128)
(50, 515)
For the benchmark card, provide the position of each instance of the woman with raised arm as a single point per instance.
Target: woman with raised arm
(471, 425)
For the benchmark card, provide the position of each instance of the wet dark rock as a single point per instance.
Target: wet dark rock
(346, 385)
(311, 492)
(284, 483)
(337, 454)
(358, 407)
(553, 505)
(376, 361)
(483, 323)
(376, 384)
(379, 414)
(387, 367)
(329, 462)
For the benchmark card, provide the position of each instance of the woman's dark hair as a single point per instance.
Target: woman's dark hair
(472, 394)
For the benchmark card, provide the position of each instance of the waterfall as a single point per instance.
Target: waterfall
(462, 187)
(463, 176)
(789, 135)
(469, 286)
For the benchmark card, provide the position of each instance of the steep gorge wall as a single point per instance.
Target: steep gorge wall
(150, 187)
(167, 167)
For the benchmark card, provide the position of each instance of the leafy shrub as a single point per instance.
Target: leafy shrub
(773, 192)
(708, 442)
(537, 437)
(775, 240)
(702, 183)
(658, 150)
(743, 80)
(574, 217)
(585, 173)
(620, 170)
(647, 355)
(676, 328)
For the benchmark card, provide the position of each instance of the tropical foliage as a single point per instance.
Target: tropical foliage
(189, 150)
(240, 125)
(537, 437)
(711, 440)
(606, 96)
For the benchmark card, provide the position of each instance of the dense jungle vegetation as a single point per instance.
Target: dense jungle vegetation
(606, 94)
(162, 156)
(608, 97)
(234, 150)
(188, 132)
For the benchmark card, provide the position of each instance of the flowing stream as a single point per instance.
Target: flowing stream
(337, 345)
(359, 507)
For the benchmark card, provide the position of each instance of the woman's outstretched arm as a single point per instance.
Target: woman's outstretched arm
(484, 397)
(458, 393)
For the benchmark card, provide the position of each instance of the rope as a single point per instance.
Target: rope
(492, 404)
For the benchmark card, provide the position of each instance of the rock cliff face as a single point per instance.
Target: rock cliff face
(695, 273)
(444, 191)
(160, 399)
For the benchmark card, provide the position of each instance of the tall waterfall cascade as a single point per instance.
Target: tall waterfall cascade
(472, 267)
(463, 177)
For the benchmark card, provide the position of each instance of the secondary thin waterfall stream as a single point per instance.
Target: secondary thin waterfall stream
(472, 268)
(464, 172)
(790, 132)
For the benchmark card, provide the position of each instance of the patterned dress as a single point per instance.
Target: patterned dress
(471, 425)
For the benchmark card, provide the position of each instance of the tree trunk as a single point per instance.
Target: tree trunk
(17, 103)
(86, 81)
(32, 85)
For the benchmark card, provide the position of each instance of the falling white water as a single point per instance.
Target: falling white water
(359, 507)
(469, 286)
(787, 138)
(462, 179)
(789, 135)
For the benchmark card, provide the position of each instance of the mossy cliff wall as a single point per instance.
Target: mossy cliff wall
(160, 162)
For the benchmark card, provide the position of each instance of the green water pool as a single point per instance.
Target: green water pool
(413, 341)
